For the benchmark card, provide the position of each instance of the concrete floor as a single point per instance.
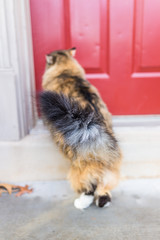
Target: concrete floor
(48, 213)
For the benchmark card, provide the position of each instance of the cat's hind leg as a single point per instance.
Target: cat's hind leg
(83, 182)
(102, 193)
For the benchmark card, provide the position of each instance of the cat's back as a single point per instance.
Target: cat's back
(66, 76)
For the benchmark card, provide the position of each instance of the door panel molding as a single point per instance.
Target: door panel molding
(146, 25)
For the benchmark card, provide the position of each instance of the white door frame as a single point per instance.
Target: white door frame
(17, 83)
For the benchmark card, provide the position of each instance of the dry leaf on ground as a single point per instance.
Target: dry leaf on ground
(23, 190)
(10, 188)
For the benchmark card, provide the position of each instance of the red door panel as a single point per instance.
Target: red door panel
(117, 43)
(89, 34)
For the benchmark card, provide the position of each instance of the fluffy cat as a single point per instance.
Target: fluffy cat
(81, 126)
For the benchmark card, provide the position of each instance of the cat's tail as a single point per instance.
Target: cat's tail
(82, 128)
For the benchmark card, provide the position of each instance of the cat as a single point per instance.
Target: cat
(81, 126)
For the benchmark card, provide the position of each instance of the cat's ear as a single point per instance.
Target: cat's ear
(72, 51)
(50, 59)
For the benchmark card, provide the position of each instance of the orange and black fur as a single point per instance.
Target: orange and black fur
(81, 126)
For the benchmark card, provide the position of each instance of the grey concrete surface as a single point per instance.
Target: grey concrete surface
(48, 213)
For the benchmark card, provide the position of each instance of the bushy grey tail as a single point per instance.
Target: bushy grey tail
(79, 126)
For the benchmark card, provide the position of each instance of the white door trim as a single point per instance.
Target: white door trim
(17, 83)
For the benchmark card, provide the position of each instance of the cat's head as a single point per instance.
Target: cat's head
(60, 56)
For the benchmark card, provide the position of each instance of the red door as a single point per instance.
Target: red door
(118, 44)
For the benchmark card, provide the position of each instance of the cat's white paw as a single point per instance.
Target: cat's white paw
(107, 204)
(83, 201)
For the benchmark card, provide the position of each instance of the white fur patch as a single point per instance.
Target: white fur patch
(107, 204)
(83, 201)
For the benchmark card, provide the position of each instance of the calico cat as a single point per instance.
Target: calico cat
(81, 126)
